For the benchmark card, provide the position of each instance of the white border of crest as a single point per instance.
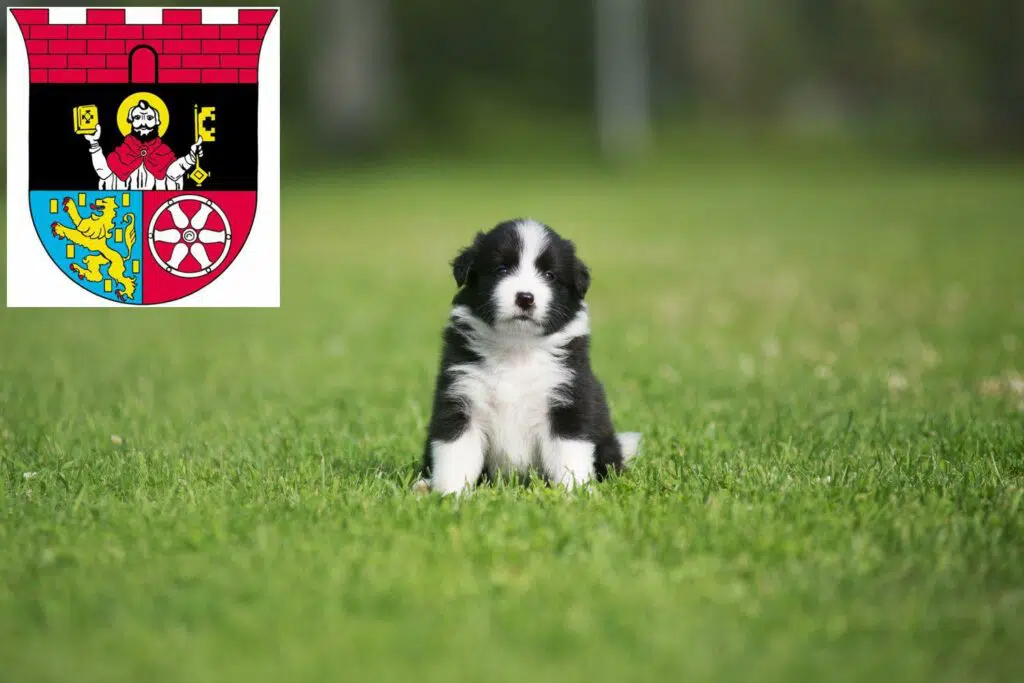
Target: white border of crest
(253, 280)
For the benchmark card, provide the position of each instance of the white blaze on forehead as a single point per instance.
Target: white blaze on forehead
(525, 278)
(535, 240)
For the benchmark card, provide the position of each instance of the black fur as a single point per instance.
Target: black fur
(448, 417)
(588, 416)
(477, 271)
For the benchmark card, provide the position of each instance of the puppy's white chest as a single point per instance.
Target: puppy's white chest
(517, 390)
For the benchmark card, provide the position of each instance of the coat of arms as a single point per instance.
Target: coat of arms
(142, 138)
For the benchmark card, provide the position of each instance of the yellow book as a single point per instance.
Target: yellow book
(86, 118)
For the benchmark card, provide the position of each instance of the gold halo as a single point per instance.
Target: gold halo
(131, 101)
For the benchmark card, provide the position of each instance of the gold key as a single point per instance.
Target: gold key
(198, 175)
(204, 133)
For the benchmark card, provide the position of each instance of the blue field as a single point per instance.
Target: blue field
(47, 207)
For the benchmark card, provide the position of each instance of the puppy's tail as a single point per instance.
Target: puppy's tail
(630, 444)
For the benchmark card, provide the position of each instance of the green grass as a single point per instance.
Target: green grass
(821, 355)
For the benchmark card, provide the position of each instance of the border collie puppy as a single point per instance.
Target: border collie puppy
(515, 391)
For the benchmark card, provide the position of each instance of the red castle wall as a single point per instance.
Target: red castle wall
(188, 51)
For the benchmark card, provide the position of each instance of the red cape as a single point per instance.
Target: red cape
(132, 153)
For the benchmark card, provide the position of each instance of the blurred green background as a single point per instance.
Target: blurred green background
(374, 79)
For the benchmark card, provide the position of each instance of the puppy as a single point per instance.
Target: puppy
(515, 391)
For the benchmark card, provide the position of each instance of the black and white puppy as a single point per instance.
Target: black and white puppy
(515, 391)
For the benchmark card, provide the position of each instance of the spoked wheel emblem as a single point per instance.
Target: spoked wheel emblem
(185, 241)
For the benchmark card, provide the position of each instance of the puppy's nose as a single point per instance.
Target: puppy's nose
(524, 300)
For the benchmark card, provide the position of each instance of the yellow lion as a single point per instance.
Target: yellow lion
(92, 233)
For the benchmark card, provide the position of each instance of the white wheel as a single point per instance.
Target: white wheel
(189, 235)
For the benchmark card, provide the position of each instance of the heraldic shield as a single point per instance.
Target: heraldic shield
(143, 143)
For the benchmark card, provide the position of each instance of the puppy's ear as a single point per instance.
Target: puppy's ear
(581, 278)
(462, 264)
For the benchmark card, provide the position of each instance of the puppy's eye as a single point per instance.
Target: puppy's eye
(549, 276)
(502, 270)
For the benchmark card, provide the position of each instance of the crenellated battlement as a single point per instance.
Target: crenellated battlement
(143, 45)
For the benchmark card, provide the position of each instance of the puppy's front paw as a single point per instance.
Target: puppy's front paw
(421, 487)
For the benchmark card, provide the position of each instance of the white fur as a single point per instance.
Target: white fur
(508, 395)
(525, 277)
(457, 464)
(569, 462)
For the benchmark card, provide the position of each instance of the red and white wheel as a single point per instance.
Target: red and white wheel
(189, 236)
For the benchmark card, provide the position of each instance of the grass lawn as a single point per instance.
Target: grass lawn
(823, 358)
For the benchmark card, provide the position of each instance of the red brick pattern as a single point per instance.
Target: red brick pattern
(200, 61)
(87, 61)
(183, 16)
(104, 16)
(161, 31)
(99, 51)
(256, 16)
(86, 31)
(133, 31)
(204, 31)
(180, 76)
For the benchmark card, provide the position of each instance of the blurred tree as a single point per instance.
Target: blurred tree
(352, 77)
(713, 33)
(528, 56)
(622, 77)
